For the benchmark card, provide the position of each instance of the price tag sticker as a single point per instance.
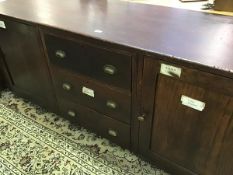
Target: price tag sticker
(170, 70)
(88, 91)
(2, 25)
(192, 103)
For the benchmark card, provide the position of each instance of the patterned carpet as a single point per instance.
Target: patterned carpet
(34, 142)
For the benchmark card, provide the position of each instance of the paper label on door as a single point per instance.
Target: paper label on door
(88, 91)
(170, 70)
(2, 24)
(192, 103)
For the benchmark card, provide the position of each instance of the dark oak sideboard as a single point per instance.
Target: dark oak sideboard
(165, 96)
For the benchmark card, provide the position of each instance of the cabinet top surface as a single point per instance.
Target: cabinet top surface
(193, 36)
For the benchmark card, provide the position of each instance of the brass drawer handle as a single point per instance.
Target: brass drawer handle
(109, 69)
(60, 54)
(71, 113)
(112, 133)
(66, 86)
(141, 118)
(111, 104)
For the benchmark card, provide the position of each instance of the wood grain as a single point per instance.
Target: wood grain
(195, 140)
(25, 63)
(97, 122)
(194, 36)
(102, 94)
(223, 5)
(90, 60)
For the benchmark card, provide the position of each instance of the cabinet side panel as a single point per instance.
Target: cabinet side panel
(23, 53)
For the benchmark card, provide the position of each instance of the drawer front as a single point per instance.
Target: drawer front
(107, 127)
(95, 95)
(104, 65)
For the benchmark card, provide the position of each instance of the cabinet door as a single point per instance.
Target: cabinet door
(23, 54)
(188, 119)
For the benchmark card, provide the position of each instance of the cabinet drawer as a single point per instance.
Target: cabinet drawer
(101, 98)
(109, 128)
(108, 66)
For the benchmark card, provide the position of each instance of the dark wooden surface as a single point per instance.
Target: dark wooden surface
(194, 36)
(186, 137)
(25, 63)
(2, 84)
(6, 79)
(223, 5)
(102, 94)
(97, 122)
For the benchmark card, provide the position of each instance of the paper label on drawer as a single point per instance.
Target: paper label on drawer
(192, 103)
(2, 24)
(88, 91)
(170, 70)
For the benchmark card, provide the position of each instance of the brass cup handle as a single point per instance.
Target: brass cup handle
(66, 86)
(71, 113)
(141, 118)
(109, 69)
(60, 54)
(112, 133)
(111, 104)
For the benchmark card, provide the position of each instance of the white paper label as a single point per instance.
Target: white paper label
(192, 103)
(88, 91)
(170, 70)
(2, 24)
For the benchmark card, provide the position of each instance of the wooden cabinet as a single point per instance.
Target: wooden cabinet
(188, 119)
(102, 82)
(23, 54)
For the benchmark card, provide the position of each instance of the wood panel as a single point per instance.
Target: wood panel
(23, 54)
(225, 152)
(223, 5)
(6, 79)
(2, 84)
(184, 135)
(187, 140)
